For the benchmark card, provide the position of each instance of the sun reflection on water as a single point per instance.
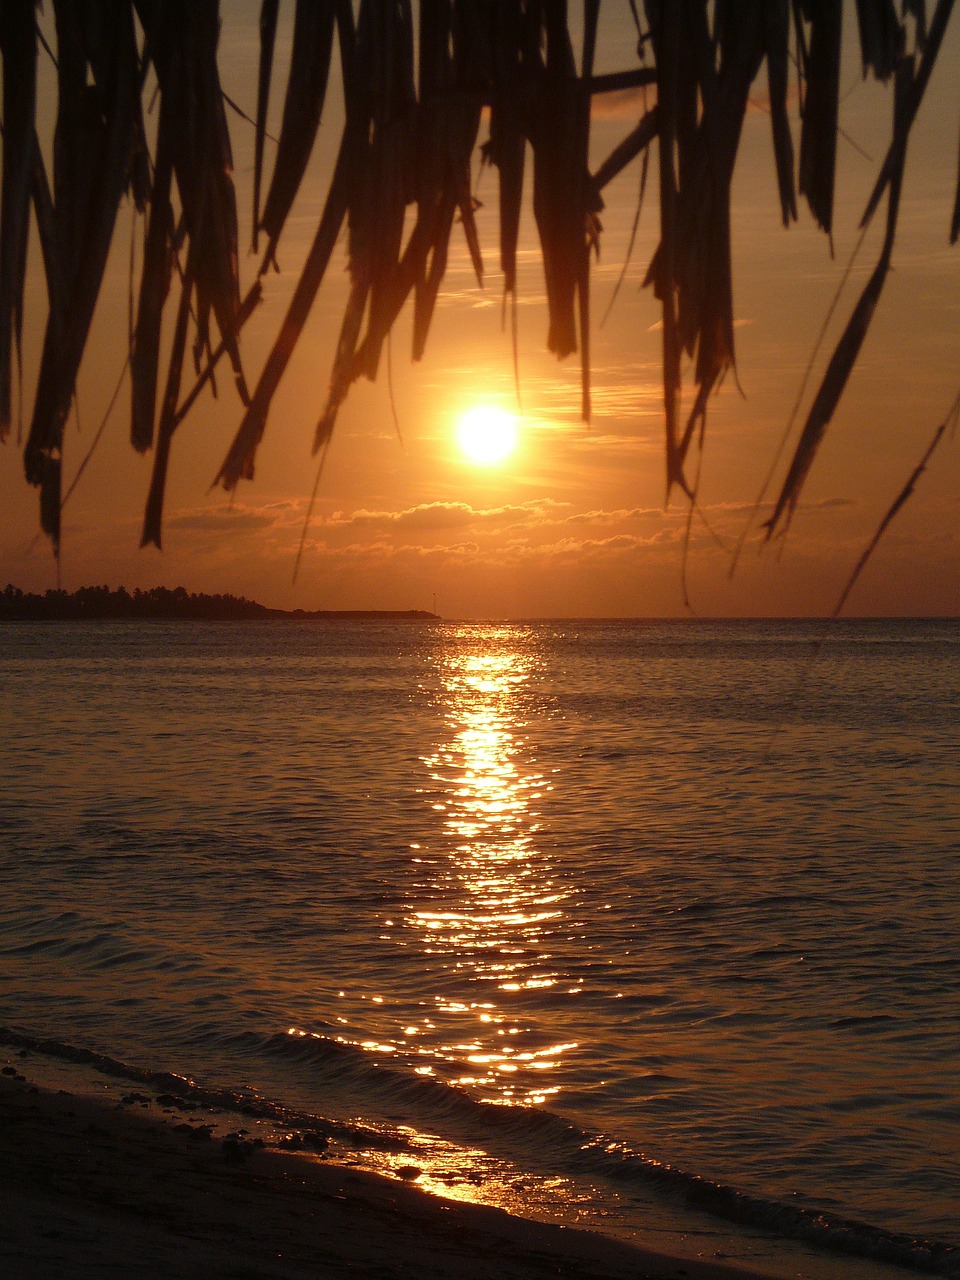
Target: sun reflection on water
(486, 915)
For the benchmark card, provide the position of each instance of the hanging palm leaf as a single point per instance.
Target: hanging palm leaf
(409, 138)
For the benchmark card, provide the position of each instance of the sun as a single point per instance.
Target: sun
(487, 435)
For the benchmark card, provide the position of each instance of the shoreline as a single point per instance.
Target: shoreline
(75, 1125)
(94, 1188)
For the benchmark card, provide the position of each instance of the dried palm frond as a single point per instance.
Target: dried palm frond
(666, 23)
(154, 285)
(269, 12)
(820, 69)
(95, 135)
(380, 98)
(848, 348)
(306, 90)
(154, 512)
(907, 114)
(897, 505)
(18, 50)
(182, 44)
(402, 182)
(777, 39)
(507, 144)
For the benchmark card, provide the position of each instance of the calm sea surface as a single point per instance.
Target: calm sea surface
(683, 899)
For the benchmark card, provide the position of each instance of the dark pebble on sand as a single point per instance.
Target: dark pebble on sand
(173, 1100)
(9, 1071)
(409, 1172)
(202, 1133)
(234, 1150)
(315, 1141)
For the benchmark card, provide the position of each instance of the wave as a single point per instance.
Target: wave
(572, 1149)
(535, 1137)
(242, 1101)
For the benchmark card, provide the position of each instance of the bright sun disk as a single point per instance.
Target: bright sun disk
(487, 435)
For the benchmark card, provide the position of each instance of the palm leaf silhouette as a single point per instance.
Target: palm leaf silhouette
(415, 82)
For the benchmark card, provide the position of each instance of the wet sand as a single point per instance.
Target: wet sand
(97, 1189)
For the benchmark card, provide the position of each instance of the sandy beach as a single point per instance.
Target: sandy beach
(101, 1189)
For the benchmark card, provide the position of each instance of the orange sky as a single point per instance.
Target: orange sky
(573, 523)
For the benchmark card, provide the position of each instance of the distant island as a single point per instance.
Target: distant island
(177, 604)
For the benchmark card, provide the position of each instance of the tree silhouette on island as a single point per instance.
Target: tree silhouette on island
(176, 604)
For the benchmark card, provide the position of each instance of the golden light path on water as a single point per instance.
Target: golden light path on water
(485, 909)
(494, 901)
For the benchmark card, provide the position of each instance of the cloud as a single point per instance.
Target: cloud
(572, 547)
(377, 556)
(614, 517)
(827, 504)
(235, 518)
(439, 516)
(764, 508)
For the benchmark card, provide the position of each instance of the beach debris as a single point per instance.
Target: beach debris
(199, 1132)
(236, 1149)
(135, 1099)
(174, 1101)
(300, 1139)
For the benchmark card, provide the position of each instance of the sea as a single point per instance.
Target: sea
(648, 926)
